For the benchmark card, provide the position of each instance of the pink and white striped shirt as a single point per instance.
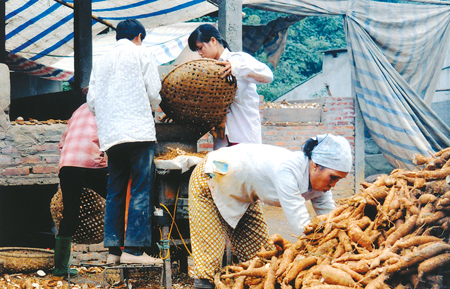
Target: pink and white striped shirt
(79, 145)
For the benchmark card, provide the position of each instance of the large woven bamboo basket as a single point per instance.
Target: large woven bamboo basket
(20, 259)
(193, 92)
(92, 214)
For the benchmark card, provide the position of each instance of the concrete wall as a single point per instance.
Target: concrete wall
(335, 74)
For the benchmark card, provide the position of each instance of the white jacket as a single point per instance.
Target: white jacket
(123, 91)
(245, 173)
(243, 124)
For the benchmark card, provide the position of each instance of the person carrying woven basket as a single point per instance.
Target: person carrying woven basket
(226, 189)
(81, 165)
(123, 92)
(243, 123)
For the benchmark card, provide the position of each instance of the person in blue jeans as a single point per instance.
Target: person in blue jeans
(123, 92)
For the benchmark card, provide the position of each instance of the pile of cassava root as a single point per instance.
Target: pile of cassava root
(393, 234)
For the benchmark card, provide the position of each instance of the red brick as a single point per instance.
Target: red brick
(9, 151)
(16, 171)
(48, 147)
(52, 160)
(5, 160)
(280, 143)
(206, 145)
(270, 133)
(28, 160)
(44, 170)
(296, 148)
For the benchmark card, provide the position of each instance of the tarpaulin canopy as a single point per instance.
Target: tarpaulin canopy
(165, 42)
(40, 33)
(396, 53)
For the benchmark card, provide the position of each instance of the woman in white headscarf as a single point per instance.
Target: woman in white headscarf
(225, 189)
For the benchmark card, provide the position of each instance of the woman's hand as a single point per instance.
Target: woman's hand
(224, 72)
(166, 119)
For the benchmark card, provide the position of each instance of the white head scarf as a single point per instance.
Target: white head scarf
(332, 152)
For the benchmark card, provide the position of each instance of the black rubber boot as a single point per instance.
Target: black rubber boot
(203, 284)
(63, 248)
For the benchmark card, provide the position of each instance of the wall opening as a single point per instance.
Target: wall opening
(25, 219)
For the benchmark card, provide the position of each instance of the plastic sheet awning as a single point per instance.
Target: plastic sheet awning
(396, 55)
(39, 33)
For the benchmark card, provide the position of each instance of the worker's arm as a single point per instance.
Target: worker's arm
(292, 201)
(243, 65)
(151, 79)
(324, 203)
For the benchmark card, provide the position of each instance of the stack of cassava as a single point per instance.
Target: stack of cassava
(393, 234)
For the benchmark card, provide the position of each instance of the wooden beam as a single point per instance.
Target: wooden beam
(82, 42)
(93, 16)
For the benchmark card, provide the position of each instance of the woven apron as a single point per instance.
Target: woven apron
(208, 229)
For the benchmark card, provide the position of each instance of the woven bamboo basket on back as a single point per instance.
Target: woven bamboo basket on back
(92, 213)
(193, 92)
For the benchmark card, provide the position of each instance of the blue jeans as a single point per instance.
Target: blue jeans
(127, 160)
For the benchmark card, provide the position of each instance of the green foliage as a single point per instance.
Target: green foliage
(303, 55)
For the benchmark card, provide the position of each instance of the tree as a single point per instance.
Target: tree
(303, 55)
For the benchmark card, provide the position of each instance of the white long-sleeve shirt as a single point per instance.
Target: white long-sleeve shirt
(123, 91)
(277, 176)
(243, 124)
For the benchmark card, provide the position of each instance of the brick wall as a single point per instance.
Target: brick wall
(29, 154)
(338, 118)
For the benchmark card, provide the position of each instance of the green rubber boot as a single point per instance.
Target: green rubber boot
(63, 248)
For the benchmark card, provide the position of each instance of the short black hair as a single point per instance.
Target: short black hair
(203, 34)
(129, 29)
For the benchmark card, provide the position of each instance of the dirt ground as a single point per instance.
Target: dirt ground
(98, 277)
(277, 222)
